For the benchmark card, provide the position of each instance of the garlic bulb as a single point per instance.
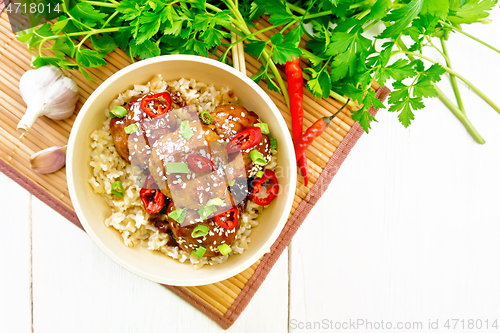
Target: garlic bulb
(49, 160)
(47, 92)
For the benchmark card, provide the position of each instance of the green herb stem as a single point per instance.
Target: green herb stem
(445, 56)
(253, 34)
(240, 21)
(469, 35)
(235, 30)
(229, 4)
(274, 69)
(449, 104)
(296, 8)
(316, 15)
(342, 99)
(287, 26)
(308, 16)
(374, 22)
(83, 33)
(130, 55)
(265, 54)
(66, 11)
(453, 79)
(110, 18)
(83, 41)
(361, 15)
(101, 4)
(460, 115)
(212, 7)
(451, 71)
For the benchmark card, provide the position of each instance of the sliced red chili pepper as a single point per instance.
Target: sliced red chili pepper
(160, 102)
(270, 179)
(244, 140)
(200, 163)
(227, 219)
(151, 197)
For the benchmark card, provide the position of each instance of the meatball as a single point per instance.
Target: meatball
(264, 147)
(216, 236)
(136, 147)
(192, 189)
(229, 120)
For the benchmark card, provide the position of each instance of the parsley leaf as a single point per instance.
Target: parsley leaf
(399, 70)
(346, 47)
(283, 50)
(469, 11)
(401, 17)
(407, 98)
(149, 26)
(104, 44)
(320, 83)
(147, 49)
(89, 58)
(263, 74)
(87, 14)
(255, 47)
(363, 116)
(278, 9)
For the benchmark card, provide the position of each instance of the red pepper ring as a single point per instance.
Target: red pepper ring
(244, 140)
(200, 163)
(269, 177)
(152, 198)
(162, 105)
(227, 219)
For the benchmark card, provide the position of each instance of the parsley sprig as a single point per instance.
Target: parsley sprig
(340, 57)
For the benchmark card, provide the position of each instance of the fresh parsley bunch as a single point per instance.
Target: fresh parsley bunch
(342, 60)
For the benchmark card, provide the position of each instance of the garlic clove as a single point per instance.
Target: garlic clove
(49, 160)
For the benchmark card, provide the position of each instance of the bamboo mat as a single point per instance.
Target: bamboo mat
(223, 301)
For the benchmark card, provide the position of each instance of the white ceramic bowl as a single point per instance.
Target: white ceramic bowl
(92, 210)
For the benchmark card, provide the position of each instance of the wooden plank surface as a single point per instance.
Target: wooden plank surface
(15, 257)
(72, 276)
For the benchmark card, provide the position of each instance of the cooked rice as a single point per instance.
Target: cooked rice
(128, 215)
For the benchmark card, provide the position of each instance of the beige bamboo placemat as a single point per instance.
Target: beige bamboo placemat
(223, 301)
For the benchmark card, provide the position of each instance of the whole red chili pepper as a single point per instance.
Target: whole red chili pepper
(162, 101)
(296, 92)
(313, 132)
(269, 177)
(227, 219)
(200, 163)
(302, 163)
(244, 140)
(152, 198)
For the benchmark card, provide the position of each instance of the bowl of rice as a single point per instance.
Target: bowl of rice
(142, 227)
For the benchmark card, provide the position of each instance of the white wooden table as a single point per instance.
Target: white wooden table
(408, 231)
